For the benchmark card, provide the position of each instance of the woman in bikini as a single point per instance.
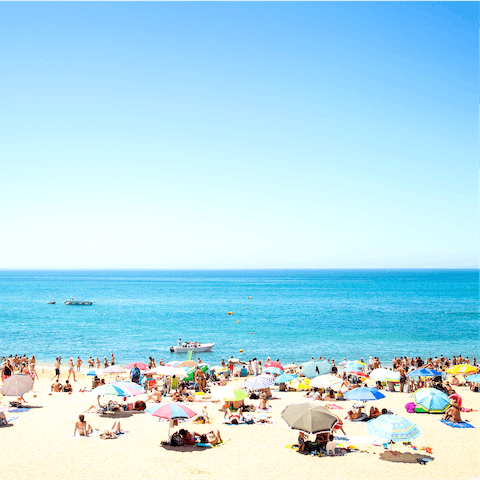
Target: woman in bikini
(263, 405)
(82, 427)
(113, 433)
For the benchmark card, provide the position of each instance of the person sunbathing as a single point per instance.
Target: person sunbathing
(201, 417)
(263, 404)
(233, 418)
(112, 433)
(83, 428)
(3, 420)
(188, 438)
(97, 409)
(156, 396)
(355, 414)
(453, 413)
(211, 437)
(67, 387)
(264, 419)
(374, 412)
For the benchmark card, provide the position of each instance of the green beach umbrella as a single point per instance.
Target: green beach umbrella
(230, 394)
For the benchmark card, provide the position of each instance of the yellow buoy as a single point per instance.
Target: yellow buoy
(238, 321)
(230, 313)
(249, 297)
(241, 350)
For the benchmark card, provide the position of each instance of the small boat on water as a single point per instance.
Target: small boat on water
(191, 347)
(51, 303)
(76, 302)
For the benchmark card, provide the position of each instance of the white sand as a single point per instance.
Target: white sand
(39, 446)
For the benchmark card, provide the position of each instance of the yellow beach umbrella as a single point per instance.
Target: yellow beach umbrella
(300, 384)
(463, 368)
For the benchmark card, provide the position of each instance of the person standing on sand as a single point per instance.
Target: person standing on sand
(112, 360)
(91, 363)
(71, 369)
(97, 362)
(135, 374)
(57, 369)
(79, 364)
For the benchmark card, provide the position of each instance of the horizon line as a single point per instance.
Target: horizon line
(231, 269)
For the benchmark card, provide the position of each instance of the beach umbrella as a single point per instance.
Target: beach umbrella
(273, 370)
(462, 368)
(392, 428)
(171, 411)
(113, 369)
(92, 371)
(17, 385)
(168, 371)
(316, 368)
(424, 372)
(273, 364)
(364, 394)
(473, 378)
(129, 388)
(432, 400)
(325, 381)
(187, 363)
(357, 373)
(308, 417)
(173, 363)
(290, 365)
(284, 378)
(230, 394)
(140, 365)
(300, 384)
(355, 365)
(110, 389)
(259, 382)
(385, 375)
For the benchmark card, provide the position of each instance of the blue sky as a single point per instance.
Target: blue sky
(239, 135)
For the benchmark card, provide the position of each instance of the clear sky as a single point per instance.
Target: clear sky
(238, 135)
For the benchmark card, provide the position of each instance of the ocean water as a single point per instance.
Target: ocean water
(292, 315)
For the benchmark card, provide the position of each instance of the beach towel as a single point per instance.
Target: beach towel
(263, 410)
(9, 420)
(333, 406)
(18, 409)
(464, 424)
(468, 410)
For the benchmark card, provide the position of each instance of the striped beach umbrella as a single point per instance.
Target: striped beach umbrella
(111, 389)
(131, 389)
(171, 411)
(432, 400)
(17, 385)
(260, 382)
(393, 428)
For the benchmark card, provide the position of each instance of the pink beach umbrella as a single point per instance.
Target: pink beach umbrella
(273, 364)
(171, 411)
(140, 365)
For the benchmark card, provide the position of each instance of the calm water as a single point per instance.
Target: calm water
(293, 314)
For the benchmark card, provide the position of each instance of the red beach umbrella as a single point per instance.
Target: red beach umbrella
(273, 364)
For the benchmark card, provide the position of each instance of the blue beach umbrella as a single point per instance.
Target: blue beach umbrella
(315, 368)
(273, 370)
(432, 400)
(424, 372)
(364, 394)
(284, 378)
(473, 378)
(393, 428)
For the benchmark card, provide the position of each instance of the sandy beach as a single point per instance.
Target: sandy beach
(40, 444)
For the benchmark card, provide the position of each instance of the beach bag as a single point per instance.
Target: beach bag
(177, 440)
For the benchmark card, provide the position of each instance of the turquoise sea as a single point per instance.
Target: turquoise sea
(293, 314)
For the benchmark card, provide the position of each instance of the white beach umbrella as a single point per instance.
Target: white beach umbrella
(169, 371)
(112, 369)
(17, 385)
(325, 381)
(385, 375)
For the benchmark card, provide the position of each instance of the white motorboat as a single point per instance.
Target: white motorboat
(183, 348)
